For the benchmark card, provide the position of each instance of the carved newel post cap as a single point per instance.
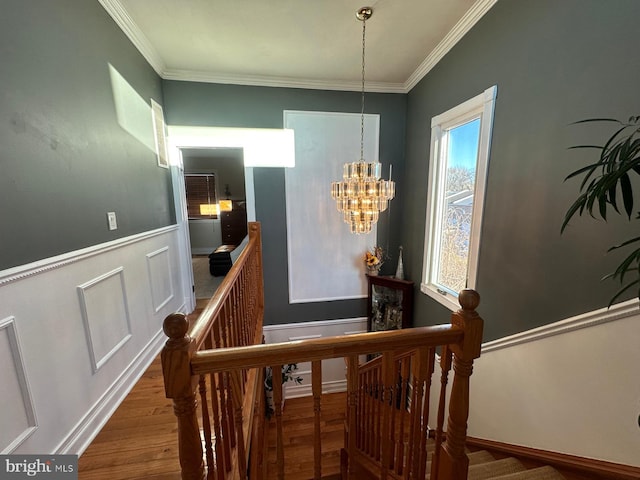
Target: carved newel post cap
(469, 299)
(175, 326)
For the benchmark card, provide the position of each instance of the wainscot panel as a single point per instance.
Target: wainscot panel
(81, 328)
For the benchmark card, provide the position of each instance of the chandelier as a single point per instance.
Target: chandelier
(361, 194)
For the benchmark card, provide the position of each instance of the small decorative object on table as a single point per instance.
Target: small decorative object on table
(400, 270)
(287, 376)
(373, 260)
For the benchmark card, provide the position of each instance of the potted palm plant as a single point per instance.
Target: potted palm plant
(606, 181)
(288, 375)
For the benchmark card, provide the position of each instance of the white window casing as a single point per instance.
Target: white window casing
(479, 107)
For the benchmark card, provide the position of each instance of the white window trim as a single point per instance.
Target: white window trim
(481, 106)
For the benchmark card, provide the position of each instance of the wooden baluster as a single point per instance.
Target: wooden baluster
(454, 463)
(206, 424)
(360, 412)
(424, 433)
(180, 386)
(366, 410)
(217, 423)
(230, 409)
(386, 403)
(236, 393)
(225, 439)
(371, 412)
(316, 387)
(392, 427)
(445, 367)
(420, 365)
(276, 381)
(352, 403)
(377, 412)
(404, 375)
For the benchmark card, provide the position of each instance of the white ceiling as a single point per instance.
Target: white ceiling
(296, 43)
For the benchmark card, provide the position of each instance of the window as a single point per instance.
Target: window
(201, 195)
(459, 156)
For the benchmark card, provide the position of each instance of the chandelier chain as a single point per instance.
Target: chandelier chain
(364, 27)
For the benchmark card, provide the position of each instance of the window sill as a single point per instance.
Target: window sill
(447, 300)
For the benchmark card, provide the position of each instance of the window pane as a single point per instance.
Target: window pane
(460, 171)
(201, 196)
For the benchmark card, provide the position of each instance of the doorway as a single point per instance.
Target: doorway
(216, 208)
(182, 139)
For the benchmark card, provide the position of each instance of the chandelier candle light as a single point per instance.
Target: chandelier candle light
(362, 194)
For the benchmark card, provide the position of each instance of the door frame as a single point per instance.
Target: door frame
(180, 137)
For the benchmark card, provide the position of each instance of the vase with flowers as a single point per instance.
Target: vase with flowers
(373, 260)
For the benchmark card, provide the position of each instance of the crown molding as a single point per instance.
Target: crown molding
(133, 32)
(288, 82)
(459, 30)
(142, 43)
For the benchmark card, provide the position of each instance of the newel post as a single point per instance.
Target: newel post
(180, 386)
(454, 463)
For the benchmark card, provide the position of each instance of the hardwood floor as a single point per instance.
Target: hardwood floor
(140, 440)
(297, 428)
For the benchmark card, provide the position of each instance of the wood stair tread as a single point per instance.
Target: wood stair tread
(540, 473)
(475, 458)
(496, 468)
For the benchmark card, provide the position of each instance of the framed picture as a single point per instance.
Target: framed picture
(159, 132)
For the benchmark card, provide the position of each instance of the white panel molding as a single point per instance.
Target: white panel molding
(83, 433)
(459, 30)
(304, 337)
(585, 320)
(160, 280)
(9, 326)
(319, 323)
(41, 266)
(91, 315)
(354, 332)
(323, 143)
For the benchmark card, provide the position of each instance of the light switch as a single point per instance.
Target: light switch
(111, 219)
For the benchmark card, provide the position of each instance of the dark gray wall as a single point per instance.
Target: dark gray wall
(199, 104)
(554, 63)
(65, 162)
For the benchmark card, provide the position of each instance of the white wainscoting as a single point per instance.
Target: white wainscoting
(571, 387)
(333, 371)
(160, 280)
(103, 303)
(18, 417)
(79, 330)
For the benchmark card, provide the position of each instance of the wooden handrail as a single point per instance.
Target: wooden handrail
(221, 357)
(232, 318)
(224, 359)
(202, 325)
